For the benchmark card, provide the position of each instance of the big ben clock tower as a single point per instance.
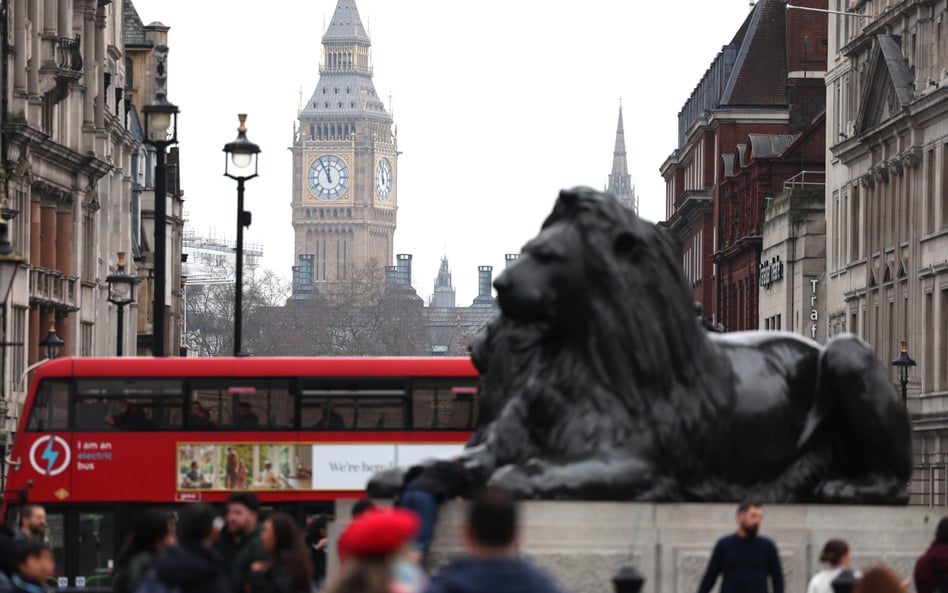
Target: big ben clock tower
(345, 166)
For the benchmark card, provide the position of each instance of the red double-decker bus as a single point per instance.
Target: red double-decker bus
(100, 440)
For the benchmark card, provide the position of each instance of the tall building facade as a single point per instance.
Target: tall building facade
(79, 181)
(345, 164)
(768, 81)
(620, 182)
(887, 204)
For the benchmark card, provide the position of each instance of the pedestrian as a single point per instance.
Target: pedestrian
(931, 569)
(239, 545)
(151, 534)
(880, 579)
(369, 549)
(34, 565)
(7, 559)
(492, 563)
(317, 540)
(32, 524)
(288, 568)
(191, 564)
(745, 559)
(230, 479)
(836, 554)
(426, 488)
(361, 506)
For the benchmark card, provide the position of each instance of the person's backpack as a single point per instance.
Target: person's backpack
(150, 583)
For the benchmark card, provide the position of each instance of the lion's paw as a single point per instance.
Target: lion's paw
(515, 479)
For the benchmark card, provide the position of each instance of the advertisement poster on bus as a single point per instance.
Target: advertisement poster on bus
(292, 466)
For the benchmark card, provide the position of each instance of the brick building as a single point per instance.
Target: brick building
(767, 82)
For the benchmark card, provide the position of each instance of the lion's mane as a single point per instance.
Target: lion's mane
(641, 349)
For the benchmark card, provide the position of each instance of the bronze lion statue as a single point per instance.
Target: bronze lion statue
(599, 382)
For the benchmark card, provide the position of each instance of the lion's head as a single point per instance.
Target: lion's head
(597, 303)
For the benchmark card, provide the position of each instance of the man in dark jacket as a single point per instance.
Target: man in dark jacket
(191, 564)
(746, 560)
(492, 563)
(931, 569)
(239, 544)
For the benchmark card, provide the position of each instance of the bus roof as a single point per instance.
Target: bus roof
(250, 366)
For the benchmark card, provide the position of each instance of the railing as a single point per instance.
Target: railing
(806, 180)
(53, 288)
(70, 56)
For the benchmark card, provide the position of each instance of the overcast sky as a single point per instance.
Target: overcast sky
(499, 104)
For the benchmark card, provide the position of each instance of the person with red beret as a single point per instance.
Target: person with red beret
(373, 550)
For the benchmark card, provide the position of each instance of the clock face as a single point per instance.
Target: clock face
(328, 177)
(383, 179)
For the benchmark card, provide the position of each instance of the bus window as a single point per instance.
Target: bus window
(50, 407)
(128, 404)
(364, 404)
(241, 404)
(444, 404)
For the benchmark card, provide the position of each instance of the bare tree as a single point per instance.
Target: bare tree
(361, 316)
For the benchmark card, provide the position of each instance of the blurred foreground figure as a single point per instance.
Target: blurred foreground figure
(152, 533)
(373, 552)
(189, 566)
(289, 568)
(931, 569)
(492, 563)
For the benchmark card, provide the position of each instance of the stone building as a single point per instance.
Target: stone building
(345, 164)
(887, 203)
(79, 181)
(767, 80)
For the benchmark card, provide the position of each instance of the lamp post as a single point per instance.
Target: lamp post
(161, 131)
(121, 293)
(52, 342)
(243, 157)
(903, 362)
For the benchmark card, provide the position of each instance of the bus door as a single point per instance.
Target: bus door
(89, 537)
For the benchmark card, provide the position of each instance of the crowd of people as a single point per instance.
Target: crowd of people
(380, 552)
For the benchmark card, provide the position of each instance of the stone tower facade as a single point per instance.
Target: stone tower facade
(345, 165)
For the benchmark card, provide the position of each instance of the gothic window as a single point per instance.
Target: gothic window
(340, 103)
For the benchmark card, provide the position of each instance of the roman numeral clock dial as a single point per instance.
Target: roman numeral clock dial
(328, 177)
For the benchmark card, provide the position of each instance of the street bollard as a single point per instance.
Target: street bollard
(628, 580)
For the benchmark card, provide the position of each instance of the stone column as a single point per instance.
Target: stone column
(64, 253)
(65, 19)
(34, 66)
(89, 68)
(49, 18)
(19, 40)
(99, 85)
(35, 312)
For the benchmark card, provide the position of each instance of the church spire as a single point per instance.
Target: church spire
(620, 182)
(444, 296)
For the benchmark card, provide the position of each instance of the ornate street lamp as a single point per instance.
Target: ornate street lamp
(903, 363)
(121, 293)
(52, 342)
(242, 159)
(161, 131)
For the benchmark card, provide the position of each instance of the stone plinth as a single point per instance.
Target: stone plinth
(583, 544)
